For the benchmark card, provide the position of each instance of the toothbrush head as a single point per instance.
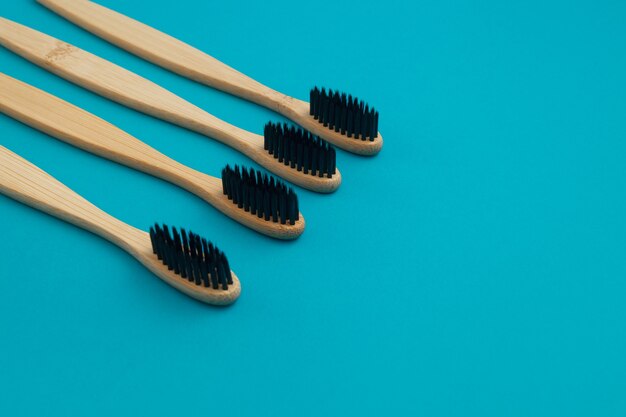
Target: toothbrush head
(191, 257)
(344, 114)
(300, 149)
(260, 194)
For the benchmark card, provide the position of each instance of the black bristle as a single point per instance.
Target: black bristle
(206, 266)
(153, 240)
(229, 275)
(343, 113)
(168, 244)
(191, 257)
(178, 251)
(186, 271)
(296, 148)
(266, 197)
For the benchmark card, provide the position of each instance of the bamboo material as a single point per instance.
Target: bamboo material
(132, 90)
(30, 185)
(179, 57)
(82, 129)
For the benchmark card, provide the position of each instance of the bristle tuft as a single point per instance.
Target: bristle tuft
(191, 257)
(300, 149)
(343, 113)
(260, 195)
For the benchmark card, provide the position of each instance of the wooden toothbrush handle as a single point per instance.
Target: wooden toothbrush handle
(82, 129)
(116, 83)
(164, 50)
(29, 184)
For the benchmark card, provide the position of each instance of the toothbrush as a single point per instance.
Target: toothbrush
(258, 202)
(290, 153)
(345, 121)
(182, 259)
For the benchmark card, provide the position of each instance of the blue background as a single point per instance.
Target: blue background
(474, 267)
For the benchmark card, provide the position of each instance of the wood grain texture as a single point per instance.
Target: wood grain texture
(125, 87)
(179, 57)
(30, 185)
(82, 129)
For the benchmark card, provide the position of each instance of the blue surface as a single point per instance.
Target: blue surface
(473, 268)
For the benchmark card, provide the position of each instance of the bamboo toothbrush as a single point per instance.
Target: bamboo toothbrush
(288, 152)
(260, 203)
(184, 260)
(342, 120)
